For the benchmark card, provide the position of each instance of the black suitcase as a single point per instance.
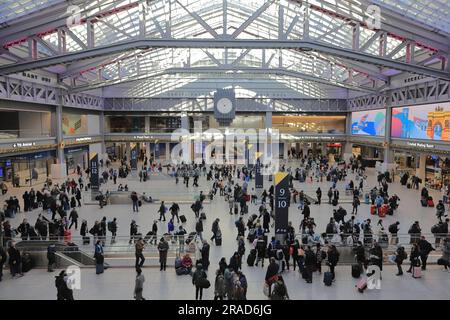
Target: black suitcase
(203, 216)
(356, 271)
(328, 278)
(86, 240)
(183, 219)
(408, 186)
(236, 209)
(424, 202)
(218, 241)
(335, 202)
(246, 209)
(27, 262)
(251, 258)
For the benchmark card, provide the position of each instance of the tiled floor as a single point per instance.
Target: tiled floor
(117, 283)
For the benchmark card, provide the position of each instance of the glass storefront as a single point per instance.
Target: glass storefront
(125, 124)
(27, 170)
(437, 172)
(293, 123)
(76, 156)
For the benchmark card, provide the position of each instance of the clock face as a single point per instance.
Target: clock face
(224, 105)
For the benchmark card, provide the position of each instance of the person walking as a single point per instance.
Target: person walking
(112, 227)
(205, 255)
(199, 228)
(174, 209)
(139, 248)
(445, 258)
(400, 256)
(414, 257)
(215, 229)
(198, 278)
(63, 290)
(271, 274)
(73, 217)
(162, 211)
(219, 286)
(319, 195)
(139, 285)
(99, 257)
(51, 257)
(3, 258)
(135, 200)
(393, 229)
(424, 249)
(163, 248)
(333, 259)
(15, 260)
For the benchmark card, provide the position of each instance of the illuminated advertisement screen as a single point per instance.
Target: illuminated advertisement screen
(426, 122)
(369, 123)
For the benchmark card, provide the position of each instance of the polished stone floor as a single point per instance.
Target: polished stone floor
(117, 283)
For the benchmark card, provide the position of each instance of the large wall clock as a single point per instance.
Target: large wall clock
(224, 106)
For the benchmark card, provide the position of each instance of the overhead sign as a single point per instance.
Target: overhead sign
(282, 199)
(24, 144)
(83, 139)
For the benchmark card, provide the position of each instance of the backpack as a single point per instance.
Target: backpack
(436, 228)
(392, 228)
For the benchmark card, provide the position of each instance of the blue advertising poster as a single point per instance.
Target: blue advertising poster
(369, 123)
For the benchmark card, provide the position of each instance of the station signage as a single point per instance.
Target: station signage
(282, 201)
(24, 144)
(83, 139)
(421, 145)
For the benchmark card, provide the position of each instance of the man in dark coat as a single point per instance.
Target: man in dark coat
(205, 255)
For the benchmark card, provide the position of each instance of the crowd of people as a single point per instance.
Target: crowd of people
(308, 249)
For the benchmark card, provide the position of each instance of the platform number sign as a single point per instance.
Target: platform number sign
(134, 157)
(259, 181)
(282, 198)
(94, 172)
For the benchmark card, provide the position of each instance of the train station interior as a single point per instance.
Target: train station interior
(281, 131)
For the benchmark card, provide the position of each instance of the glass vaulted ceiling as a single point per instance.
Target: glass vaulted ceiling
(434, 13)
(10, 10)
(164, 14)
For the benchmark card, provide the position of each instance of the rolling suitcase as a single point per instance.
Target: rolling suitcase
(27, 262)
(430, 202)
(328, 278)
(356, 271)
(373, 209)
(183, 219)
(218, 241)
(334, 202)
(236, 209)
(383, 210)
(408, 186)
(251, 258)
(203, 216)
(86, 240)
(416, 272)
(424, 202)
(362, 285)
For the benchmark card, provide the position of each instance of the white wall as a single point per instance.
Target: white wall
(96, 147)
(34, 124)
(93, 121)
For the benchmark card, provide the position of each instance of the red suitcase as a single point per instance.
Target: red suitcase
(362, 285)
(373, 209)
